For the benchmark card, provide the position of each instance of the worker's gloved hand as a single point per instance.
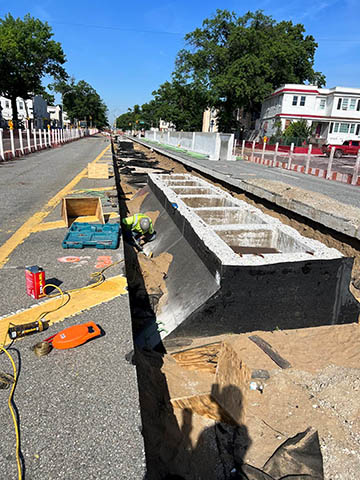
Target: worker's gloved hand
(150, 237)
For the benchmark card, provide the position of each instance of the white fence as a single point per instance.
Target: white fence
(14, 143)
(217, 146)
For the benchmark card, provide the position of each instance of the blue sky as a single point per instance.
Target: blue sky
(125, 50)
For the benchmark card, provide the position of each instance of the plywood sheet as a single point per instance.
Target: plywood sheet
(98, 170)
(74, 207)
(232, 382)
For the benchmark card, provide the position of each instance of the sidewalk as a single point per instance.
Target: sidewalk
(78, 409)
(332, 204)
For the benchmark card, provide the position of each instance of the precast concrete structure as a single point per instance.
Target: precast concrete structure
(217, 146)
(235, 269)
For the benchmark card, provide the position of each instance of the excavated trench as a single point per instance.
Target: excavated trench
(171, 433)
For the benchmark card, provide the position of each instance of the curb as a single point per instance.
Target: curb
(317, 172)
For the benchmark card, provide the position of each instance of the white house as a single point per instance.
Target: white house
(334, 113)
(58, 118)
(33, 112)
(24, 108)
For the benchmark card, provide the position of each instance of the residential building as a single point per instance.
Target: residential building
(166, 126)
(333, 113)
(24, 108)
(33, 113)
(58, 118)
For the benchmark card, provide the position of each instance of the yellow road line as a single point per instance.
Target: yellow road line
(97, 189)
(81, 300)
(43, 227)
(24, 231)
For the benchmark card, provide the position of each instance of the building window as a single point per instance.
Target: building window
(21, 106)
(302, 101)
(345, 104)
(344, 128)
(358, 129)
(339, 104)
(295, 99)
(331, 127)
(352, 128)
(358, 106)
(322, 103)
(336, 127)
(7, 104)
(352, 104)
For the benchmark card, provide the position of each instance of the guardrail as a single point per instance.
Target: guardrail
(15, 143)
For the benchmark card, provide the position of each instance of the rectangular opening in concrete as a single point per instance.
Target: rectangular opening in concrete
(228, 216)
(193, 190)
(259, 241)
(195, 201)
(182, 183)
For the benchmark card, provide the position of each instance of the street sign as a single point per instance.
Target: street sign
(142, 122)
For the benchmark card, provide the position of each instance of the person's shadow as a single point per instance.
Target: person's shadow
(184, 452)
(220, 449)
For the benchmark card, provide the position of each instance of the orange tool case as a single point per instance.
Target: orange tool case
(74, 336)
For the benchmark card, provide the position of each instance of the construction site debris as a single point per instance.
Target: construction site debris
(267, 348)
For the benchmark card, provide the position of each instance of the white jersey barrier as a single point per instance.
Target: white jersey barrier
(216, 146)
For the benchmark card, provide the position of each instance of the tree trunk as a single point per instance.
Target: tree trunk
(14, 112)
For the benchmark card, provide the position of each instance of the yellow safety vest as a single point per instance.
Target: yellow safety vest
(133, 223)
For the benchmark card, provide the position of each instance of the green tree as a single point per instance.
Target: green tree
(241, 60)
(82, 102)
(298, 129)
(27, 54)
(181, 104)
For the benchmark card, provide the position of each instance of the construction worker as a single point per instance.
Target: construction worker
(138, 228)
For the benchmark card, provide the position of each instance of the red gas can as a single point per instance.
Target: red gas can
(35, 281)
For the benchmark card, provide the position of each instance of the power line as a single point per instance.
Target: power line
(118, 28)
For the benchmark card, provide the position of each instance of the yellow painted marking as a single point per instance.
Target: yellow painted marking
(98, 189)
(24, 231)
(43, 227)
(81, 300)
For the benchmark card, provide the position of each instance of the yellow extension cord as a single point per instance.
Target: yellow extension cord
(16, 426)
(39, 318)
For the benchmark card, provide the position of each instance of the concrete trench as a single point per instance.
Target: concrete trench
(235, 269)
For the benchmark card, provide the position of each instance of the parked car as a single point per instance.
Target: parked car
(349, 147)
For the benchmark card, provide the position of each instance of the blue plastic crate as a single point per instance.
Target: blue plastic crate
(82, 235)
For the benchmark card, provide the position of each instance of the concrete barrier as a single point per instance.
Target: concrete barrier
(217, 146)
(236, 269)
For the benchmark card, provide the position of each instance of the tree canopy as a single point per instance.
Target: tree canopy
(27, 54)
(241, 60)
(82, 102)
(180, 104)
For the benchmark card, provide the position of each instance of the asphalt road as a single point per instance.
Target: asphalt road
(341, 165)
(242, 169)
(28, 182)
(78, 409)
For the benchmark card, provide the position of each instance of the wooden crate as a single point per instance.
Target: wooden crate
(74, 207)
(98, 170)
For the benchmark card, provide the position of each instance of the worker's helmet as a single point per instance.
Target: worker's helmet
(145, 224)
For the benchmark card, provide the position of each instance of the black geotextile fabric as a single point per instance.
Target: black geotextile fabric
(298, 458)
